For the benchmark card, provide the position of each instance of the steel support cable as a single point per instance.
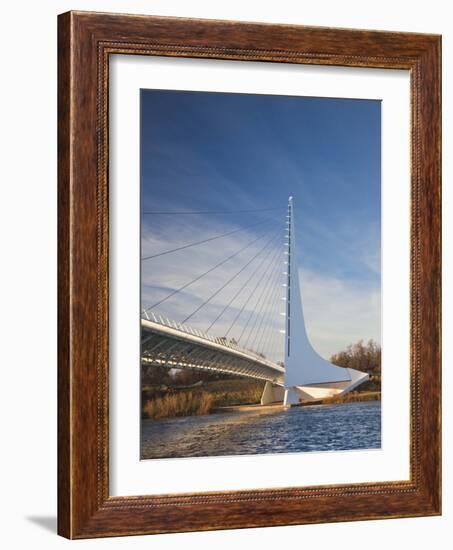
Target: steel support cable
(261, 329)
(223, 286)
(275, 341)
(266, 256)
(265, 314)
(189, 245)
(251, 294)
(184, 212)
(270, 314)
(266, 328)
(276, 348)
(269, 294)
(210, 270)
(253, 312)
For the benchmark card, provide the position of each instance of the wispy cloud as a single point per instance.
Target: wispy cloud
(339, 312)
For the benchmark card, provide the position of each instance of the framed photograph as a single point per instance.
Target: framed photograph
(249, 275)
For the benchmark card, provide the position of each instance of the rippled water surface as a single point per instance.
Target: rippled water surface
(311, 428)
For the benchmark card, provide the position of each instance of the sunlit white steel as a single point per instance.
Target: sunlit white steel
(164, 345)
(307, 375)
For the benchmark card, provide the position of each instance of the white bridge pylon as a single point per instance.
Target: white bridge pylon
(308, 377)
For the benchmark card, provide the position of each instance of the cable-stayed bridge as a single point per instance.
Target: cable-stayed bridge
(238, 327)
(167, 343)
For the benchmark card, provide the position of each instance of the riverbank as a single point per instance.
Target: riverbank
(202, 397)
(229, 397)
(248, 408)
(179, 404)
(354, 397)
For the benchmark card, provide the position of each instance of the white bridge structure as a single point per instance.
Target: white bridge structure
(301, 376)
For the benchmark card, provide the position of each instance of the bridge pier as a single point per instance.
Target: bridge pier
(314, 392)
(272, 393)
(295, 395)
(291, 397)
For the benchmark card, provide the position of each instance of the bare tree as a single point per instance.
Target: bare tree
(360, 356)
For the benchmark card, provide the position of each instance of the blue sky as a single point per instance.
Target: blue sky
(227, 152)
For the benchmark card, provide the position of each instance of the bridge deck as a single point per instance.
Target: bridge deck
(179, 347)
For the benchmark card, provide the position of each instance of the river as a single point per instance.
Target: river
(344, 426)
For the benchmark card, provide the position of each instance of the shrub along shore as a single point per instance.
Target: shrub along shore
(354, 396)
(179, 404)
(161, 402)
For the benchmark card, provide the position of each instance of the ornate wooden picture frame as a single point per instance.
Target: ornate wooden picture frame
(86, 41)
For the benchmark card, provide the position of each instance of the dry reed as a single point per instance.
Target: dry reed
(179, 404)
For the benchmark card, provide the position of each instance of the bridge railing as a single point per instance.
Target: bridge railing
(157, 318)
